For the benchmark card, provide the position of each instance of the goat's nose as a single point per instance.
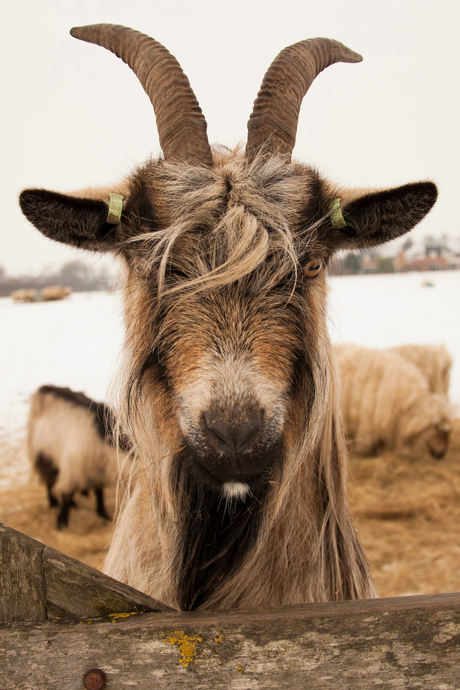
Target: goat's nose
(233, 435)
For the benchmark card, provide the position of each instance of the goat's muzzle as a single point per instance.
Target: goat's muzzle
(231, 436)
(234, 446)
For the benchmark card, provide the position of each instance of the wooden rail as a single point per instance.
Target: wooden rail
(61, 618)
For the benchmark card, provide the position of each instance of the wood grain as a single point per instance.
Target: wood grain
(22, 583)
(74, 590)
(412, 642)
(39, 582)
(405, 642)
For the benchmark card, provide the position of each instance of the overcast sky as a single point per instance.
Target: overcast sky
(74, 115)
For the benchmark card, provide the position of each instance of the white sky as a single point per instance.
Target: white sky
(74, 115)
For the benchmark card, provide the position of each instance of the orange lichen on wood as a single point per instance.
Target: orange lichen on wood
(188, 646)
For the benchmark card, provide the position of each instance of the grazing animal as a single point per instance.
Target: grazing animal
(229, 393)
(433, 361)
(387, 405)
(25, 295)
(55, 292)
(71, 446)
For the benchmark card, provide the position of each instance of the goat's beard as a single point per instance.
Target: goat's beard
(217, 531)
(229, 548)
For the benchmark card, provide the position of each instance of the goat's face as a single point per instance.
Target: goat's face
(229, 357)
(226, 255)
(232, 319)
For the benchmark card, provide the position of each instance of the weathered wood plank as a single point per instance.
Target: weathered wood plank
(22, 584)
(38, 582)
(409, 642)
(74, 590)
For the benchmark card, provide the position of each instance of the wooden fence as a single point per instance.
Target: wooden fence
(60, 619)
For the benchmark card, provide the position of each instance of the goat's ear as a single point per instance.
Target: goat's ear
(377, 217)
(76, 220)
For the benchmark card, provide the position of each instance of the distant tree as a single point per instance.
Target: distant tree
(386, 264)
(352, 263)
(75, 274)
(79, 276)
(74, 271)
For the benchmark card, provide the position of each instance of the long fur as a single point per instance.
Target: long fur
(387, 405)
(294, 541)
(434, 362)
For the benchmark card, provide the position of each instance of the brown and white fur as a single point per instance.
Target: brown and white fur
(229, 390)
(71, 445)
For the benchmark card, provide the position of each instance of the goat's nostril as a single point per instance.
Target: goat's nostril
(233, 432)
(218, 428)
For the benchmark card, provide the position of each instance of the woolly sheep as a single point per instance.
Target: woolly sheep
(56, 292)
(71, 447)
(387, 405)
(25, 295)
(433, 361)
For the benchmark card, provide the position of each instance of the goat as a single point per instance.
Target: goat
(228, 391)
(71, 446)
(388, 405)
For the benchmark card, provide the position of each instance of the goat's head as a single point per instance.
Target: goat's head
(226, 254)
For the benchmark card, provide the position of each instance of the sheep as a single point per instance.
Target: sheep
(433, 361)
(71, 446)
(387, 405)
(56, 292)
(228, 391)
(25, 295)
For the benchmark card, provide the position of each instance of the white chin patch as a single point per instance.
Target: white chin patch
(235, 489)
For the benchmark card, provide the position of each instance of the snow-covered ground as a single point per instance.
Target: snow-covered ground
(76, 342)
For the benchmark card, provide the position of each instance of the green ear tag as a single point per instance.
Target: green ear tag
(115, 208)
(337, 219)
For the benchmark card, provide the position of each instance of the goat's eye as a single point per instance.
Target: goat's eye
(312, 268)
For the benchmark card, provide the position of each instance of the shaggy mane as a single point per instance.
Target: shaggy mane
(240, 216)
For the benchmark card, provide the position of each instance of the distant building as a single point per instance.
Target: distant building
(430, 255)
(369, 261)
(423, 255)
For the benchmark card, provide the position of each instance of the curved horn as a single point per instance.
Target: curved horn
(181, 124)
(273, 122)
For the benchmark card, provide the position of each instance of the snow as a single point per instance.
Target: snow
(77, 342)
(74, 342)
